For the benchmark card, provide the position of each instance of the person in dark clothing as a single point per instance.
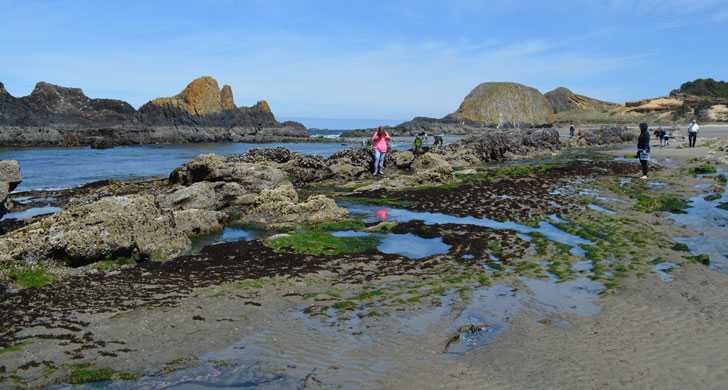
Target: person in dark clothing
(643, 149)
(572, 131)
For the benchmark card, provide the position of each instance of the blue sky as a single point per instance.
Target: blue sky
(362, 59)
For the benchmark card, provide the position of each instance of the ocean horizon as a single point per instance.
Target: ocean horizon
(342, 123)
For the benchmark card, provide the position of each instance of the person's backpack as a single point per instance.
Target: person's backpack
(418, 142)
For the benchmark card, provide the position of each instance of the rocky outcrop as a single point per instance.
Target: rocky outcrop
(212, 168)
(201, 97)
(256, 187)
(562, 99)
(202, 112)
(606, 136)
(230, 198)
(9, 179)
(500, 145)
(280, 208)
(488, 107)
(132, 226)
(505, 105)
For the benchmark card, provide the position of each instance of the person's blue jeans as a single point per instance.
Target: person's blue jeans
(379, 161)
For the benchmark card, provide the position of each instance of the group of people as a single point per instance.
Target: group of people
(380, 146)
(663, 136)
(643, 142)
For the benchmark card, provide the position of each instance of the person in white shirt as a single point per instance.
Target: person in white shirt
(692, 133)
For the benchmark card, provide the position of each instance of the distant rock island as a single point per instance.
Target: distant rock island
(203, 112)
(508, 105)
(504, 104)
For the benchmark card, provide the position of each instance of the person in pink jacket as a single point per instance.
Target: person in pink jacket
(380, 144)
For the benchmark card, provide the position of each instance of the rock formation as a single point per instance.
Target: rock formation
(202, 112)
(9, 179)
(201, 97)
(111, 227)
(505, 105)
(562, 99)
(606, 135)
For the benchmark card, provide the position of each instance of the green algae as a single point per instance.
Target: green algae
(81, 373)
(700, 259)
(680, 247)
(317, 243)
(704, 169)
(18, 347)
(31, 277)
(347, 224)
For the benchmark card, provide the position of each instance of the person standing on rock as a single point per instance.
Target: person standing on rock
(693, 133)
(572, 131)
(380, 144)
(643, 148)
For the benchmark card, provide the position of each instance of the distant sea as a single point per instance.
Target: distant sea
(335, 126)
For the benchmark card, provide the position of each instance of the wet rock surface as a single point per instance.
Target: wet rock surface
(508, 199)
(9, 179)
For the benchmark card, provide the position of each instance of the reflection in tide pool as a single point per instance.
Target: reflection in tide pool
(30, 213)
(228, 234)
(407, 245)
(372, 214)
(207, 375)
(663, 271)
(712, 223)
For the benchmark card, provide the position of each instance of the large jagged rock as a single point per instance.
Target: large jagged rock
(201, 97)
(69, 108)
(280, 208)
(60, 116)
(227, 99)
(505, 105)
(9, 179)
(110, 227)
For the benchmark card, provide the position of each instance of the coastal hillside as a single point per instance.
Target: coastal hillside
(202, 112)
(702, 99)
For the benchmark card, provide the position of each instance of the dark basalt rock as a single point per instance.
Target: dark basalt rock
(278, 154)
(59, 116)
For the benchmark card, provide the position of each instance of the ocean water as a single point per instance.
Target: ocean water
(55, 168)
(342, 123)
